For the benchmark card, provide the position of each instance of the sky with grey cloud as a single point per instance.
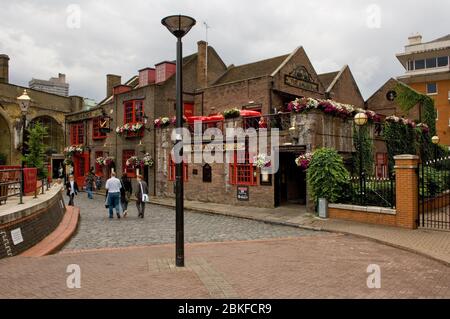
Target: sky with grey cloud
(44, 38)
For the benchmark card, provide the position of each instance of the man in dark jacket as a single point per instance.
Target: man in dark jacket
(141, 196)
(125, 193)
(71, 189)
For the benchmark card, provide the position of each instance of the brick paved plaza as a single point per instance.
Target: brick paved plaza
(252, 260)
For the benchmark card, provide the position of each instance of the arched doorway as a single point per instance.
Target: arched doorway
(54, 140)
(5, 142)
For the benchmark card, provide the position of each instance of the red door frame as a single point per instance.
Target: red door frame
(78, 171)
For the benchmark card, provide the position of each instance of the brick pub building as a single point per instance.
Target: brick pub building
(210, 87)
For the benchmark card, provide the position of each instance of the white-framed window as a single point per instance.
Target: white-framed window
(432, 88)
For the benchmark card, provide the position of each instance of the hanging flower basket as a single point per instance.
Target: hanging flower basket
(304, 160)
(73, 150)
(261, 161)
(162, 122)
(130, 130)
(134, 162)
(148, 160)
(105, 161)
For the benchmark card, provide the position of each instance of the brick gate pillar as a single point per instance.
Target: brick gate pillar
(407, 195)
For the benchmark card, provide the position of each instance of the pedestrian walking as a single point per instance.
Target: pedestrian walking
(71, 189)
(98, 182)
(90, 183)
(60, 171)
(113, 187)
(125, 193)
(141, 196)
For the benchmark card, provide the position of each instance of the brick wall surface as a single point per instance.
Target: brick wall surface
(363, 217)
(34, 228)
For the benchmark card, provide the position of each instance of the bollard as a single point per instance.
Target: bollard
(43, 191)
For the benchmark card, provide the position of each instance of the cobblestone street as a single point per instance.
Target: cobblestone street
(97, 231)
(226, 258)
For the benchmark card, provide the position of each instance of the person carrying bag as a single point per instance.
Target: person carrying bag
(141, 196)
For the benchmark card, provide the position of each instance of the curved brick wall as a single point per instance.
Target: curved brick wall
(35, 224)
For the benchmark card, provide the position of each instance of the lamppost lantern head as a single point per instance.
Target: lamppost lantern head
(24, 102)
(435, 140)
(361, 119)
(178, 25)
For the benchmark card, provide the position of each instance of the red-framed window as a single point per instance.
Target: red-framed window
(98, 168)
(77, 133)
(96, 133)
(242, 172)
(133, 111)
(172, 169)
(382, 165)
(126, 154)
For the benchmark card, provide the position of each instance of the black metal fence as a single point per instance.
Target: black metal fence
(370, 191)
(434, 194)
(10, 184)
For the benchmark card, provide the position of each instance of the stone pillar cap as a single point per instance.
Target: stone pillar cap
(406, 157)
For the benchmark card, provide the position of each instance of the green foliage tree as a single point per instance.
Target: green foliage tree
(36, 148)
(367, 147)
(326, 175)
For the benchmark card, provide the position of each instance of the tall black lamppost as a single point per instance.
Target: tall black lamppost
(179, 26)
(24, 103)
(361, 119)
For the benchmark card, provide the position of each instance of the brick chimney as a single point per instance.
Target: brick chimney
(112, 81)
(165, 70)
(202, 62)
(147, 76)
(415, 39)
(4, 68)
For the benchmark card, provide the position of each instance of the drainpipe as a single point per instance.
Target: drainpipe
(270, 95)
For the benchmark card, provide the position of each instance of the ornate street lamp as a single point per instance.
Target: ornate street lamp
(24, 104)
(361, 119)
(179, 26)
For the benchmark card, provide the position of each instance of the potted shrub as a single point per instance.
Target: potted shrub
(327, 176)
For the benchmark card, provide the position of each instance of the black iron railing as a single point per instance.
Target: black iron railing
(434, 194)
(370, 191)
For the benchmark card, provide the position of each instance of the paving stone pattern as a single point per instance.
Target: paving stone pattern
(97, 231)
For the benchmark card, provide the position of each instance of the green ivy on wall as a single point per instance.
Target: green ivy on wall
(407, 98)
(400, 139)
(367, 147)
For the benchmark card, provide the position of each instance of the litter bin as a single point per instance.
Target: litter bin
(323, 208)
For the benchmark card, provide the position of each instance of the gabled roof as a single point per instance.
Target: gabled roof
(444, 38)
(133, 82)
(251, 70)
(328, 78)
